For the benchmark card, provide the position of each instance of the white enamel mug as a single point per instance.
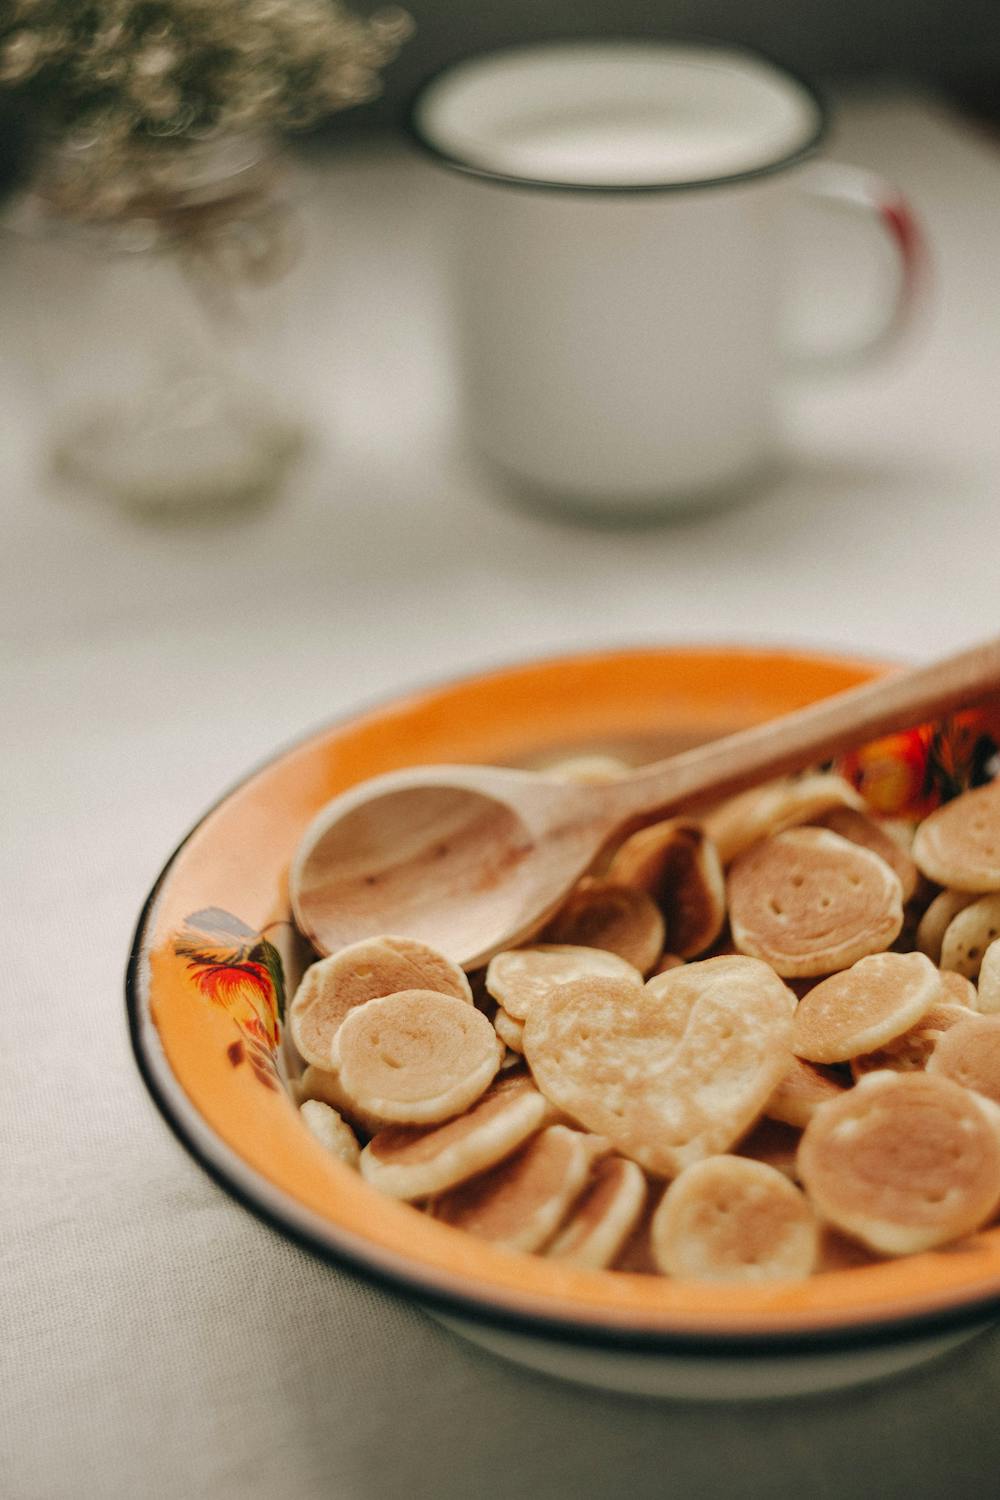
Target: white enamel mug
(622, 261)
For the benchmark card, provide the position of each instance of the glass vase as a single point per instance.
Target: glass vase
(148, 333)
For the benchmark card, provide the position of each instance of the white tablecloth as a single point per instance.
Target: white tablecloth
(156, 1340)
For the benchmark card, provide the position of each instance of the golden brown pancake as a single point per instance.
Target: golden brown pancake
(809, 902)
(414, 1162)
(968, 935)
(804, 1087)
(959, 844)
(677, 864)
(957, 990)
(911, 1051)
(601, 914)
(732, 1219)
(903, 1161)
(605, 1215)
(988, 999)
(521, 1202)
(416, 1057)
(364, 971)
(864, 1007)
(861, 828)
(671, 1073)
(509, 1029)
(324, 1084)
(742, 821)
(936, 920)
(331, 1130)
(969, 1053)
(517, 977)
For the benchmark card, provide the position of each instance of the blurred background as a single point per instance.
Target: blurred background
(954, 47)
(147, 660)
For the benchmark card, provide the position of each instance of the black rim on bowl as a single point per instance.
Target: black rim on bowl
(342, 1249)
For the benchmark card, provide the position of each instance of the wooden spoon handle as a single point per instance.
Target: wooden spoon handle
(817, 732)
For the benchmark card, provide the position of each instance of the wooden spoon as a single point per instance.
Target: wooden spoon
(474, 859)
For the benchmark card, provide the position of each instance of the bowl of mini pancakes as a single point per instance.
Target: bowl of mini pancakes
(727, 1126)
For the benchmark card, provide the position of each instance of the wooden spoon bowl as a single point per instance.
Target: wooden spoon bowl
(472, 859)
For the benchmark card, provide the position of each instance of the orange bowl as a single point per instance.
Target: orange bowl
(215, 950)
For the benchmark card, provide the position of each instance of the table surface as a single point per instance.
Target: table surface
(156, 1339)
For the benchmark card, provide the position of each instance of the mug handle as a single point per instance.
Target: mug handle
(865, 194)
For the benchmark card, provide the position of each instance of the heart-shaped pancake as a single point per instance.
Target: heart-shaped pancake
(671, 1073)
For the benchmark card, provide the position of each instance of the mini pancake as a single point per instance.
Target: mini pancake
(676, 863)
(331, 1130)
(605, 1215)
(936, 920)
(670, 1073)
(988, 999)
(809, 902)
(861, 828)
(957, 990)
(864, 1007)
(324, 1084)
(521, 1202)
(804, 1087)
(732, 1219)
(416, 1057)
(517, 977)
(509, 1029)
(742, 821)
(970, 1055)
(412, 1162)
(903, 1161)
(912, 1050)
(958, 845)
(364, 971)
(618, 918)
(968, 935)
